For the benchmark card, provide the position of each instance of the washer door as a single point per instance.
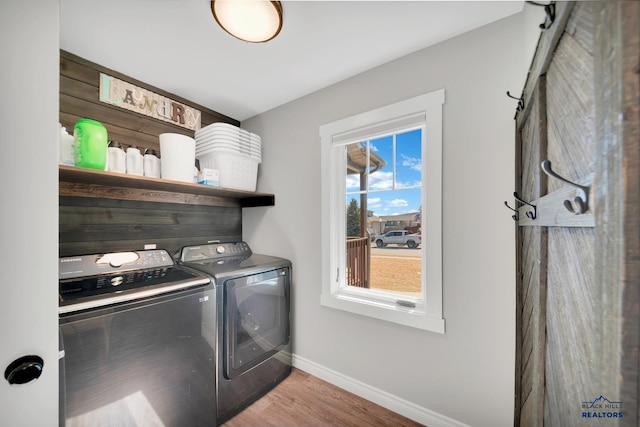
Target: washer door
(256, 319)
(148, 363)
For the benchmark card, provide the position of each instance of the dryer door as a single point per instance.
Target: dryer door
(256, 319)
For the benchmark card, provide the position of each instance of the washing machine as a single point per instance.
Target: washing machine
(137, 336)
(253, 293)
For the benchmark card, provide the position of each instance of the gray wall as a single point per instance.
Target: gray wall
(468, 373)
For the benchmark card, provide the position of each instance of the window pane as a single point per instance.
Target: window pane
(395, 262)
(381, 160)
(383, 183)
(356, 160)
(409, 159)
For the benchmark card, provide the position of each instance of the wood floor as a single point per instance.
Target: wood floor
(304, 400)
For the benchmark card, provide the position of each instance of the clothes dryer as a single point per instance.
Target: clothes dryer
(253, 350)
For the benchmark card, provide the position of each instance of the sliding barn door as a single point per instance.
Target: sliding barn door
(577, 249)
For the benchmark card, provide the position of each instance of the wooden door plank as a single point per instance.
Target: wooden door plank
(572, 292)
(571, 111)
(532, 278)
(617, 91)
(544, 52)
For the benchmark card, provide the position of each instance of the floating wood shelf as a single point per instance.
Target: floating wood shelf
(82, 182)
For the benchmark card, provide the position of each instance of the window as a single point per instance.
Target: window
(391, 156)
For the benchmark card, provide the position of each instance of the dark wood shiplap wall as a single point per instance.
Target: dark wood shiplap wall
(90, 225)
(79, 98)
(95, 225)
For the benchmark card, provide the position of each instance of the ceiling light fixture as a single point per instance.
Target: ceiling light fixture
(254, 21)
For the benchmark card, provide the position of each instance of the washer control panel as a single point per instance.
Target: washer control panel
(214, 251)
(113, 262)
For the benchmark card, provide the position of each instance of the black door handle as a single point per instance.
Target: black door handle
(24, 370)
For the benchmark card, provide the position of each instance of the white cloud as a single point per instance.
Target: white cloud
(413, 163)
(397, 203)
(353, 182)
(374, 202)
(381, 180)
(406, 184)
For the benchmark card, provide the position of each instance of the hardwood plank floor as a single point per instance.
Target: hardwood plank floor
(304, 400)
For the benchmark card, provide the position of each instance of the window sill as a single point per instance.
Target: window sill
(412, 317)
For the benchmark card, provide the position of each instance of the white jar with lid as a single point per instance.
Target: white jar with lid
(116, 158)
(151, 163)
(134, 161)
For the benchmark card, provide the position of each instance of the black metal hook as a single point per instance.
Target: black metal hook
(549, 10)
(582, 203)
(530, 214)
(517, 214)
(520, 101)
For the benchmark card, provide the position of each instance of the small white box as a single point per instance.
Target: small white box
(209, 177)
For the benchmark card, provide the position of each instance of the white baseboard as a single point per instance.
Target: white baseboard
(380, 397)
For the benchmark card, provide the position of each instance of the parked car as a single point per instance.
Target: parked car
(398, 237)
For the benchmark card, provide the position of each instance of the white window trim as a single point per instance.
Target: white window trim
(369, 302)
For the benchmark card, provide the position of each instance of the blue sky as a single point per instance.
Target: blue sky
(408, 164)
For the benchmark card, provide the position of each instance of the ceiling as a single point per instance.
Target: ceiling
(177, 46)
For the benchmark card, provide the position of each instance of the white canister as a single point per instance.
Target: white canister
(151, 163)
(134, 161)
(116, 158)
(178, 153)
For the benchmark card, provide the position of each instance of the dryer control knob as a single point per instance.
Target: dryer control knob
(220, 249)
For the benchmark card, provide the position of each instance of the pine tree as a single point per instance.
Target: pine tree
(353, 219)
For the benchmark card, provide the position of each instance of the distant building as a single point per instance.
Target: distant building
(375, 225)
(409, 221)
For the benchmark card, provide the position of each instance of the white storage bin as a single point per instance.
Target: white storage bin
(237, 171)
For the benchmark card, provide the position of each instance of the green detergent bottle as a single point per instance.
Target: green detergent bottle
(90, 143)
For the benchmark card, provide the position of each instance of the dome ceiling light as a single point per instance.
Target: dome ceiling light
(255, 21)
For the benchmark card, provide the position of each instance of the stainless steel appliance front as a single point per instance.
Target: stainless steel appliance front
(254, 346)
(146, 360)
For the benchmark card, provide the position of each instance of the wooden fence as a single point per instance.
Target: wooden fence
(358, 251)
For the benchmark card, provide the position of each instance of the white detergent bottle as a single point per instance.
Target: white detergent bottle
(116, 158)
(151, 163)
(134, 161)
